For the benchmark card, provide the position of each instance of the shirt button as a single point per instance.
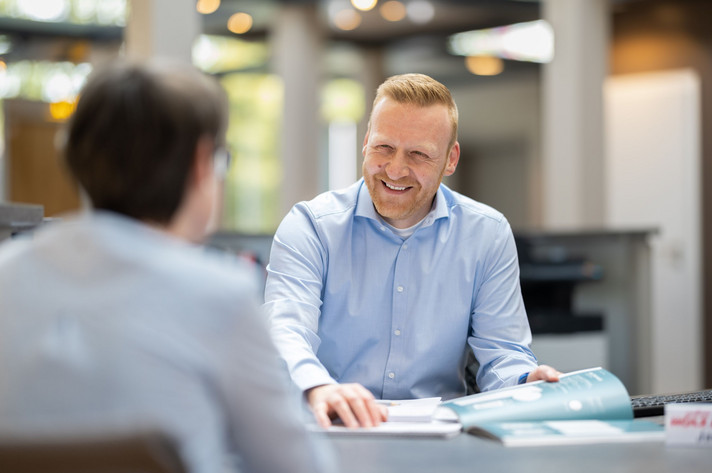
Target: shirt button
(391, 375)
(405, 246)
(397, 332)
(383, 228)
(399, 289)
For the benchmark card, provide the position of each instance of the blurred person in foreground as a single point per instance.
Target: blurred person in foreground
(375, 291)
(116, 319)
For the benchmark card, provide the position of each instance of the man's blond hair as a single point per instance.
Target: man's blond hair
(420, 90)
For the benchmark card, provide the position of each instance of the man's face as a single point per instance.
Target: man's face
(406, 156)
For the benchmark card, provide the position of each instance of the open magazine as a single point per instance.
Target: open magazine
(583, 407)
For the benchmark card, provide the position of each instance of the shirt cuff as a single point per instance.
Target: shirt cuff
(523, 378)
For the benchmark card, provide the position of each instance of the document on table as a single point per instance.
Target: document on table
(411, 410)
(406, 418)
(433, 428)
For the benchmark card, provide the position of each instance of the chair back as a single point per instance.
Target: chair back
(138, 452)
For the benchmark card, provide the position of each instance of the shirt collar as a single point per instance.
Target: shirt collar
(365, 207)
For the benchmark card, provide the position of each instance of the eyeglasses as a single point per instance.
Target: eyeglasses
(221, 162)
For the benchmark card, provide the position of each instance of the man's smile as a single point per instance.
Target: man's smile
(395, 188)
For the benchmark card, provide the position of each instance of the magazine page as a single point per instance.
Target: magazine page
(587, 394)
(563, 432)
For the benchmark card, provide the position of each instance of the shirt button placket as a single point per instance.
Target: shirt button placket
(400, 296)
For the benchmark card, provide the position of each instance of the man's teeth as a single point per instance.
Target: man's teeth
(395, 188)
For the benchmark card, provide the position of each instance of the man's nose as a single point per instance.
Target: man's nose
(397, 167)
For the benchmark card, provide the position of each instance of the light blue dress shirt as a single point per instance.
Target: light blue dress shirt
(108, 325)
(350, 301)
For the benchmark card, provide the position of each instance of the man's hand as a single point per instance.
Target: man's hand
(352, 403)
(543, 373)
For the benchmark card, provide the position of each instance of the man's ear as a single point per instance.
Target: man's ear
(452, 159)
(202, 168)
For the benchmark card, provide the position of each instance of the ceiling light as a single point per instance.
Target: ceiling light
(239, 23)
(207, 7)
(61, 111)
(484, 65)
(420, 11)
(393, 10)
(531, 41)
(364, 5)
(44, 10)
(347, 20)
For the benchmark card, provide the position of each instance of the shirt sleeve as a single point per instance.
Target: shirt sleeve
(500, 336)
(267, 419)
(293, 291)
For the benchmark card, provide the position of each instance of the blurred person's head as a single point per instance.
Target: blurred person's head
(411, 143)
(141, 143)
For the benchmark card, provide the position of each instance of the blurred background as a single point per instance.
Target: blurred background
(586, 122)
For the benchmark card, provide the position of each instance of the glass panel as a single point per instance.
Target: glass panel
(252, 185)
(103, 12)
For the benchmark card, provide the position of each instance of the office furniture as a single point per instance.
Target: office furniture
(620, 293)
(564, 336)
(15, 218)
(466, 453)
(137, 452)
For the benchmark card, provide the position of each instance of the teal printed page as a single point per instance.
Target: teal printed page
(561, 432)
(587, 394)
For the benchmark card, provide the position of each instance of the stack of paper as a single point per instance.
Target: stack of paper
(411, 410)
(407, 418)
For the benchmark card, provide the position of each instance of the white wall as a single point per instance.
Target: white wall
(653, 180)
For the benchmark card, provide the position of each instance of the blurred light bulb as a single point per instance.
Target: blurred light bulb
(207, 7)
(484, 65)
(61, 111)
(44, 10)
(420, 11)
(531, 41)
(347, 20)
(364, 5)
(57, 86)
(239, 23)
(393, 10)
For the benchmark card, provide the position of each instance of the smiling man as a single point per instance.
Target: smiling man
(377, 290)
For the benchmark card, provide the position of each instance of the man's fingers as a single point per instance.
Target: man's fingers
(379, 412)
(343, 409)
(375, 412)
(549, 373)
(361, 411)
(321, 414)
(544, 373)
(352, 403)
(361, 403)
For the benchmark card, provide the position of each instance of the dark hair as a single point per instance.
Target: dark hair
(132, 139)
